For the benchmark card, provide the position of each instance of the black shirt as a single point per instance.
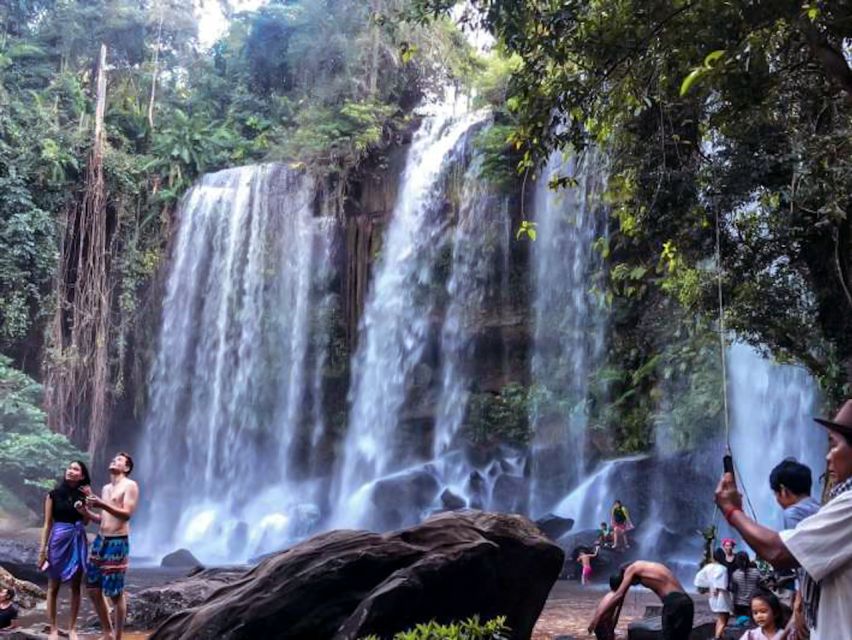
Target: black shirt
(63, 498)
(7, 615)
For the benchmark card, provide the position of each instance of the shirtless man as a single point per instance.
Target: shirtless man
(109, 551)
(678, 609)
(607, 612)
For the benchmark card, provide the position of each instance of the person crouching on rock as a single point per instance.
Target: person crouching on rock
(678, 608)
(64, 546)
(8, 610)
(108, 560)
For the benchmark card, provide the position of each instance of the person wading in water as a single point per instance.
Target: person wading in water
(678, 608)
(108, 560)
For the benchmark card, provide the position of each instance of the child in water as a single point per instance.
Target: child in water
(769, 618)
(585, 560)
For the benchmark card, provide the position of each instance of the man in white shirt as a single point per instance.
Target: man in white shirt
(821, 544)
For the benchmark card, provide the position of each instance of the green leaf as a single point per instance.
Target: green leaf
(694, 76)
(712, 57)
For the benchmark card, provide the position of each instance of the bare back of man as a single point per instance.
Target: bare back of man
(678, 608)
(656, 577)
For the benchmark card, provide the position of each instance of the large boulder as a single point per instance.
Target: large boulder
(180, 559)
(20, 547)
(149, 607)
(349, 584)
(399, 500)
(553, 526)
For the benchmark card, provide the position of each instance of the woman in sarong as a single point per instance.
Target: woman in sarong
(64, 547)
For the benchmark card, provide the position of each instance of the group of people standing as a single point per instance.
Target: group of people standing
(815, 544)
(65, 554)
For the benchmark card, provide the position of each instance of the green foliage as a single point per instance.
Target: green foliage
(322, 85)
(31, 456)
(711, 110)
(499, 418)
(526, 230)
(470, 629)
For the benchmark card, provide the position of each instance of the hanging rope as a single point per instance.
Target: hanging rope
(722, 351)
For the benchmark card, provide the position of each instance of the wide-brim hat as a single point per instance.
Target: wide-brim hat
(842, 422)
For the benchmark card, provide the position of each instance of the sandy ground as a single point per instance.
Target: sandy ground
(570, 607)
(567, 612)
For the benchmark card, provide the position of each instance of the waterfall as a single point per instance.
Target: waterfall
(398, 317)
(234, 392)
(669, 494)
(569, 325)
(771, 410)
(476, 250)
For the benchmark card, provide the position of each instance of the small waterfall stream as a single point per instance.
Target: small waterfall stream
(398, 316)
(569, 323)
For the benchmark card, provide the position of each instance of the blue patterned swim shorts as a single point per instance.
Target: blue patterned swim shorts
(108, 564)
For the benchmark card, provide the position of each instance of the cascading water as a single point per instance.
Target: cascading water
(569, 324)
(670, 495)
(772, 408)
(476, 247)
(397, 318)
(234, 391)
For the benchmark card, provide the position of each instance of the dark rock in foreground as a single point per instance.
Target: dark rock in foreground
(150, 607)
(349, 584)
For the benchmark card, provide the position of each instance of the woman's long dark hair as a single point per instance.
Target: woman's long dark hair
(742, 561)
(85, 480)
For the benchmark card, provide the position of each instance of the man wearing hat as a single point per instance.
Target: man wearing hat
(821, 544)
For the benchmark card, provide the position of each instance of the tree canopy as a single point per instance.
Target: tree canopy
(736, 112)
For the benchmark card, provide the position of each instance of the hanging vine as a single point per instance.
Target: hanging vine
(78, 372)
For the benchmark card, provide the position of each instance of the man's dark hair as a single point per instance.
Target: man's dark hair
(793, 475)
(127, 457)
(615, 580)
(719, 555)
(742, 561)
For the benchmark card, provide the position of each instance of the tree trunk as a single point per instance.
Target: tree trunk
(78, 369)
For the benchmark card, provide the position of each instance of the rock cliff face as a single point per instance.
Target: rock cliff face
(349, 584)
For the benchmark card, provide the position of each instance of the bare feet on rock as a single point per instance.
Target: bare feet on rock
(72, 634)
